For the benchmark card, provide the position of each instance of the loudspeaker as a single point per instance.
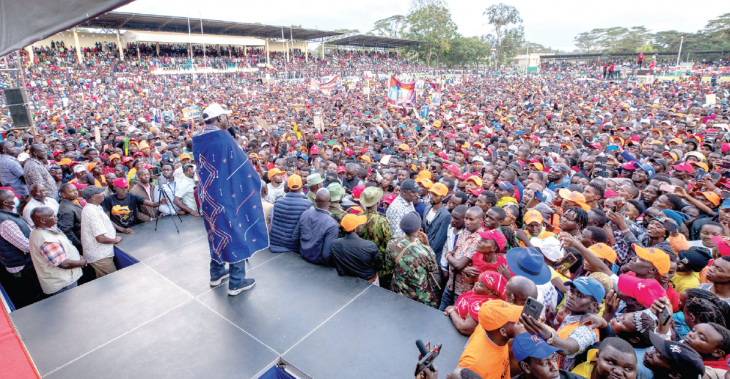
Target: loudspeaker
(16, 99)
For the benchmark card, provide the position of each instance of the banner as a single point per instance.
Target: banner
(424, 112)
(326, 84)
(420, 83)
(436, 99)
(191, 112)
(401, 94)
(335, 83)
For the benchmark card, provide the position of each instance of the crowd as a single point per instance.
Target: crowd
(570, 228)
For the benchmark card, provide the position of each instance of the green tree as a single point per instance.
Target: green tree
(507, 34)
(587, 42)
(533, 48)
(466, 51)
(719, 27)
(663, 40)
(391, 27)
(430, 21)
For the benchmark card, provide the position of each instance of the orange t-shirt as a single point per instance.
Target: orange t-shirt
(485, 358)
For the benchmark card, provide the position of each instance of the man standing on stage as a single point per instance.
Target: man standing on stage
(230, 201)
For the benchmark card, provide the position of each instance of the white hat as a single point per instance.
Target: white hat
(550, 247)
(23, 157)
(79, 168)
(214, 110)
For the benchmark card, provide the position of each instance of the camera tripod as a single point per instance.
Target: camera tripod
(164, 195)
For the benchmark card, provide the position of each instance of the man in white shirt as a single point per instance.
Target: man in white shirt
(170, 188)
(98, 234)
(185, 194)
(38, 199)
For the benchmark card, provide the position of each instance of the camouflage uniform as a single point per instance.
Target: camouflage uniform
(338, 213)
(377, 230)
(410, 276)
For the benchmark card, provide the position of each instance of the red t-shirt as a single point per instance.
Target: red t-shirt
(469, 303)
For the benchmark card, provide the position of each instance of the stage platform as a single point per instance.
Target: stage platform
(159, 318)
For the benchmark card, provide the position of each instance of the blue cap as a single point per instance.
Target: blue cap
(588, 286)
(725, 204)
(649, 170)
(526, 345)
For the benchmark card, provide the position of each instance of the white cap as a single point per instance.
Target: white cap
(23, 157)
(550, 248)
(79, 168)
(214, 110)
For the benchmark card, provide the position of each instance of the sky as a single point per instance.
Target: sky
(550, 23)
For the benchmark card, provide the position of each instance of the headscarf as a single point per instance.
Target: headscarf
(495, 282)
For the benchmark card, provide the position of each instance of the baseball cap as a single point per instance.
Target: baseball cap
(495, 314)
(439, 189)
(90, 191)
(79, 169)
(526, 345)
(294, 182)
(588, 286)
(403, 147)
(352, 221)
(477, 180)
(531, 216)
(425, 182)
(575, 197)
(683, 167)
(645, 291)
(603, 251)
(121, 182)
(711, 196)
(273, 172)
(679, 355)
(214, 110)
(657, 257)
(64, 161)
(505, 186)
(495, 235)
(409, 185)
(357, 191)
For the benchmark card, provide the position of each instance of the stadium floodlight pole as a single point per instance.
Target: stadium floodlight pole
(190, 44)
(286, 63)
(205, 64)
(680, 50)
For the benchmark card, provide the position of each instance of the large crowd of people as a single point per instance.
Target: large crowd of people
(570, 228)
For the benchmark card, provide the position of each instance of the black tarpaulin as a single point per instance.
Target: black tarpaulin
(24, 22)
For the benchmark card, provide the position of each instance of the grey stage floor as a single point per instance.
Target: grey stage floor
(160, 319)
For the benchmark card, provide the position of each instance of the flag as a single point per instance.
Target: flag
(230, 196)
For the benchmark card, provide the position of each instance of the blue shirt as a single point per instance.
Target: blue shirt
(555, 188)
(317, 230)
(10, 173)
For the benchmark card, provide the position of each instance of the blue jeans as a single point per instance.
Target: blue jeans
(64, 289)
(236, 270)
(448, 298)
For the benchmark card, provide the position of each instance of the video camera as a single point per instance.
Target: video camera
(427, 357)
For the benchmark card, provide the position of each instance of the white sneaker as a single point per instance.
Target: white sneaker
(217, 282)
(246, 285)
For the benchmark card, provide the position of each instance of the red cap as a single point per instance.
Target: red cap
(357, 191)
(495, 235)
(121, 182)
(683, 167)
(388, 199)
(645, 291)
(314, 150)
(453, 168)
(349, 151)
(341, 169)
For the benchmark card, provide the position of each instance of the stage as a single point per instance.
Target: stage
(159, 318)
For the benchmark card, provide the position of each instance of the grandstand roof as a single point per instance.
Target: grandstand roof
(154, 23)
(588, 56)
(376, 41)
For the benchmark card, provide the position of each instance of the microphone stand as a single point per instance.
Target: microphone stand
(164, 195)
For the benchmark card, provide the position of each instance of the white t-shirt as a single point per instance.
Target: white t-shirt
(273, 193)
(186, 192)
(95, 222)
(33, 203)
